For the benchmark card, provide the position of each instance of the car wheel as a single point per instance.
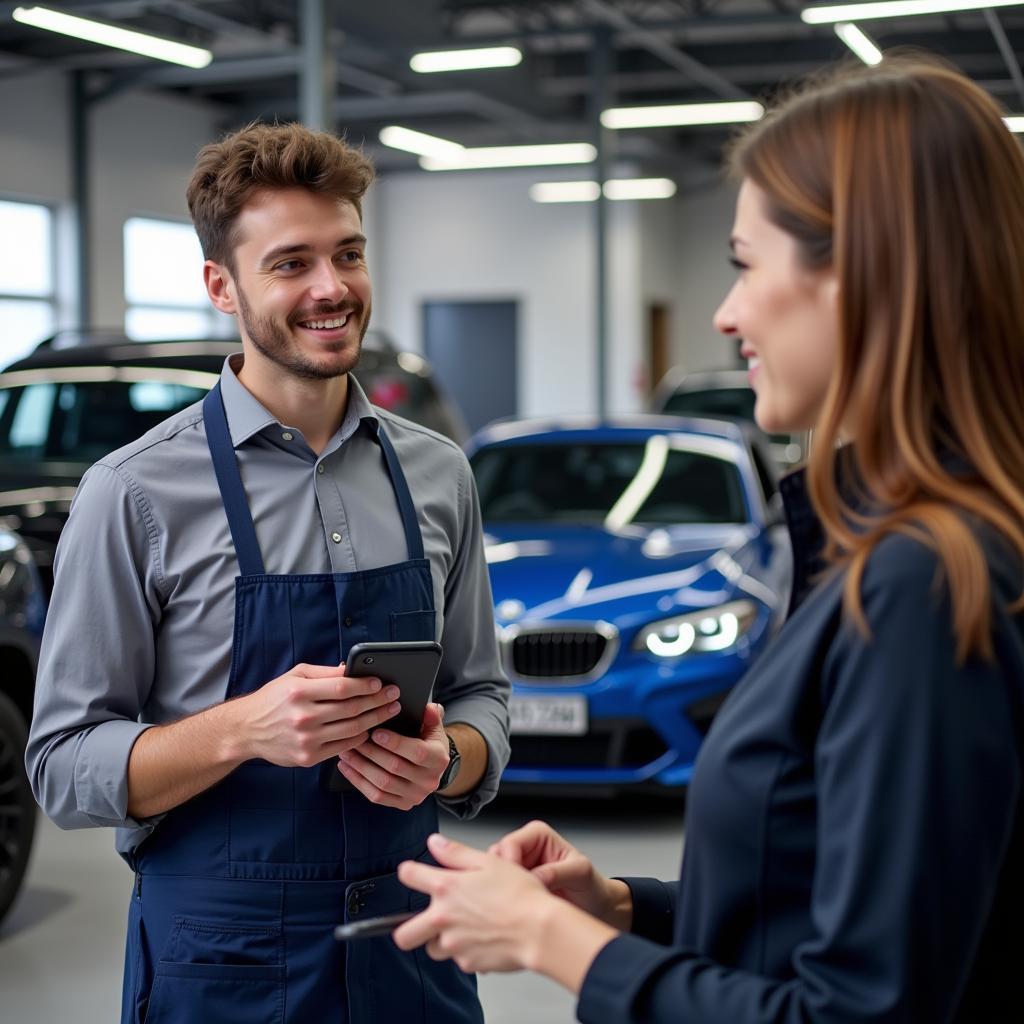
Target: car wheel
(17, 805)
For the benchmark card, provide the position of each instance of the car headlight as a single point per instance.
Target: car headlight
(710, 629)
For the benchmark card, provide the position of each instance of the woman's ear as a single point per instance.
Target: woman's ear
(832, 288)
(219, 286)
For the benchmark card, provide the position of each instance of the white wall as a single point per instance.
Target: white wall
(703, 275)
(143, 149)
(477, 237)
(461, 236)
(34, 153)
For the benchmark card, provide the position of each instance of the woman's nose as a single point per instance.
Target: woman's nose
(724, 320)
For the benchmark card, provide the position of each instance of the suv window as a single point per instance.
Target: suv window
(730, 403)
(83, 421)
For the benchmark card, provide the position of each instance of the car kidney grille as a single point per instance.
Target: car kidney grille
(551, 655)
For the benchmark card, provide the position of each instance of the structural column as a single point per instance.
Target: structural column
(600, 74)
(316, 75)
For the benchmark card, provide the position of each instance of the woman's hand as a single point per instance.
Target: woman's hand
(567, 873)
(488, 914)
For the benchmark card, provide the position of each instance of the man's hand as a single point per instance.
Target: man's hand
(312, 713)
(399, 771)
(306, 716)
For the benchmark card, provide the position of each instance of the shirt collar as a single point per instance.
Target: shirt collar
(247, 416)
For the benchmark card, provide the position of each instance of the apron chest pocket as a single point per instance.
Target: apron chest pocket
(412, 625)
(222, 972)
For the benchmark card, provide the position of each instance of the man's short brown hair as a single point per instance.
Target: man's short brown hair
(268, 156)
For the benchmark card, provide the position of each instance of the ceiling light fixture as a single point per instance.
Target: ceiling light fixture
(419, 143)
(639, 188)
(859, 42)
(565, 191)
(614, 188)
(466, 60)
(830, 14)
(733, 112)
(512, 156)
(1015, 123)
(110, 35)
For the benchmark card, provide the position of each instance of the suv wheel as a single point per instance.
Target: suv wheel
(17, 805)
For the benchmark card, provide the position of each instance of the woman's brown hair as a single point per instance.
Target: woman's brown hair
(904, 180)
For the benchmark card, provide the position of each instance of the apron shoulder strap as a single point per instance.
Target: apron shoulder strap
(229, 480)
(410, 521)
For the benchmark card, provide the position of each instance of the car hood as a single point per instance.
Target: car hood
(35, 500)
(542, 572)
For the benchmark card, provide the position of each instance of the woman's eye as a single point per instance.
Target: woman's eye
(737, 264)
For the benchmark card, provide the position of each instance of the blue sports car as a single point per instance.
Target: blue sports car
(639, 566)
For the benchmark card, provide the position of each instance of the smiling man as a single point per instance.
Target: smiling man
(210, 581)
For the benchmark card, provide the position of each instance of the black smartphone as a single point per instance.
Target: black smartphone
(371, 928)
(411, 666)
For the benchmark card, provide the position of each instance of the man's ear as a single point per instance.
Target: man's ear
(220, 286)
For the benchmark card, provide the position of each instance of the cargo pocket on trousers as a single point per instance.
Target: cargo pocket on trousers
(224, 972)
(412, 625)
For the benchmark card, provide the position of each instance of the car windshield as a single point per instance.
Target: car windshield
(82, 421)
(650, 481)
(730, 403)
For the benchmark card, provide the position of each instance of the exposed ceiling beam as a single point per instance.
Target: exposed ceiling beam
(456, 103)
(671, 55)
(999, 34)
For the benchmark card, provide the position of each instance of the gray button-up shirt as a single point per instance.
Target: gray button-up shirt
(140, 624)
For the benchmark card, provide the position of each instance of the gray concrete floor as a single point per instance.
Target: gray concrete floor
(61, 947)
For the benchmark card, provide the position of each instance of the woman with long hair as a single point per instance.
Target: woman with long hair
(855, 829)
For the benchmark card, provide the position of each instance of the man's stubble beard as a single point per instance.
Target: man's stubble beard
(276, 343)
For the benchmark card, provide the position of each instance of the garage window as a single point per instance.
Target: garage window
(163, 283)
(28, 301)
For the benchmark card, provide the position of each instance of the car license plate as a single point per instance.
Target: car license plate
(548, 716)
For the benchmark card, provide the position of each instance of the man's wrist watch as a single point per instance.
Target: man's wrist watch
(454, 764)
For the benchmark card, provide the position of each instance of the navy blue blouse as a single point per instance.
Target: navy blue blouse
(855, 824)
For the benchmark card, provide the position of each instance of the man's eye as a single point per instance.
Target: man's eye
(352, 256)
(288, 265)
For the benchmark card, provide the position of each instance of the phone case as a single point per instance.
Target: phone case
(411, 666)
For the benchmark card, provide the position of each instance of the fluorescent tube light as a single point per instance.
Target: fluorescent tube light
(734, 112)
(895, 9)
(565, 191)
(859, 42)
(614, 188)
(466, 60)
(639, 188)
(110, 35)
(418, 142)
(512, 156)
(1015, 123)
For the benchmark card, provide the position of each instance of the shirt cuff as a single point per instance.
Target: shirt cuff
(101, 773)
(653, 909)
(478, 715)
(615, 982)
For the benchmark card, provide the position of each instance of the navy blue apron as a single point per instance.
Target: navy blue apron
(238, 890)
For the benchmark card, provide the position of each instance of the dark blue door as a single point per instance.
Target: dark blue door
(472, 346)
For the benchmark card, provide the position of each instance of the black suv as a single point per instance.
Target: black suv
(75, 399)
(22, 606)
(724, 394)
